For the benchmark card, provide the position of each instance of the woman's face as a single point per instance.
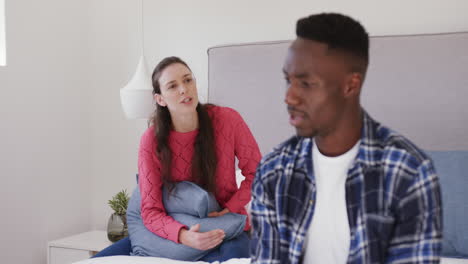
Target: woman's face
(178, 89)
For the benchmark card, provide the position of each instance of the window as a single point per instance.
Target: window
(2, 34)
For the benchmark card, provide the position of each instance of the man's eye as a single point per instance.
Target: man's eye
(172, 86)
(189, 80)
(305, 84)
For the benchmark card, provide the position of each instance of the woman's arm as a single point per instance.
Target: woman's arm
(153, 213)
(247, 152)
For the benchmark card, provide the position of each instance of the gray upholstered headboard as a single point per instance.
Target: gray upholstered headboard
(417, 85)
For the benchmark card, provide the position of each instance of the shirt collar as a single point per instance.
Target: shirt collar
(367, 154)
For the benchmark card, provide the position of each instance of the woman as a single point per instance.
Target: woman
(189, 141)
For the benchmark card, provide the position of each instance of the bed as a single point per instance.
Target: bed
(425, 74)
(150, 260)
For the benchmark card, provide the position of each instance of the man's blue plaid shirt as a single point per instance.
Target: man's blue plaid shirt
(392, 195)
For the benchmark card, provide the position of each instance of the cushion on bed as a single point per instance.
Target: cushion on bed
(196, 203)
(189, 198)
(452, 168)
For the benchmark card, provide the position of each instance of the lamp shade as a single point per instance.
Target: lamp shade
(136, 97)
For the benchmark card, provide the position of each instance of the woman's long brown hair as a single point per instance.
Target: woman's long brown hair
(204, 157)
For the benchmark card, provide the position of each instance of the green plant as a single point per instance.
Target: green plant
(119, 202)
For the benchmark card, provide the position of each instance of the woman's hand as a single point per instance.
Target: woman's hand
(220, 213)
(201, 240)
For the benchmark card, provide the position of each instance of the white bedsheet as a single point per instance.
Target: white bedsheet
(151, 260)
(454, 261)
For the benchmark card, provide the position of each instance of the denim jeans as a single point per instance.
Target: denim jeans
(234, 248)
(119, 248)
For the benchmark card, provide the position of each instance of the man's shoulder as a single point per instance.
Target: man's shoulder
(392, 147)
(282, 155)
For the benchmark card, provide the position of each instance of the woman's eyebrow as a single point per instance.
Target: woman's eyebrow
(169, 82)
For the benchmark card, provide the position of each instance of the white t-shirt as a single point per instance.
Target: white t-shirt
(328, 236)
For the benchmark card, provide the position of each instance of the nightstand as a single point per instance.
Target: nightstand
(78, 247)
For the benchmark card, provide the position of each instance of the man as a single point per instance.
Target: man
(346, 189)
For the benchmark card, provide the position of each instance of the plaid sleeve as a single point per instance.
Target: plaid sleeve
(418, 231)
(265, 247)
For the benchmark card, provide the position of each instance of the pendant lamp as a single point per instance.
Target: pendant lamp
(136, 97)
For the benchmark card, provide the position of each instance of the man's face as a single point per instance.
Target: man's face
(315, 79)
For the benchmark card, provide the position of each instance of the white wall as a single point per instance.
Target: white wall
(2, 34)
(44, 128)
(115, 49)
(65, 147)
(188, 28)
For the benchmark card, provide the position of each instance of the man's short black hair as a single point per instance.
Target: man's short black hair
(339, 32)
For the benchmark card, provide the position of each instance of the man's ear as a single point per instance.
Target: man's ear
(353, 84)
(160, 100)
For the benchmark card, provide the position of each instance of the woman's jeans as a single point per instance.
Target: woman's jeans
(234, 248)
(121, 247)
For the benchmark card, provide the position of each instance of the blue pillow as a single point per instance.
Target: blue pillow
(189, 198)
(452, 168)
(189, 204)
